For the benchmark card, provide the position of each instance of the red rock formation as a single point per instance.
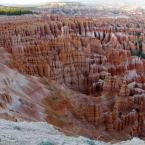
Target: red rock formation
(85, 55)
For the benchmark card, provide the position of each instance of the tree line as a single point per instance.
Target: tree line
(14, 11)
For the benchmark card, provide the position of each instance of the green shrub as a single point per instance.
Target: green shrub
(90, 142)
(46, 143)
(17, 128)
(139, 54)
(55, 98)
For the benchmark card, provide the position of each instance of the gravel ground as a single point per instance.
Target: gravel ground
(41, 133)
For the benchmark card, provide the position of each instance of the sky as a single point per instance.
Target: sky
(107, 2)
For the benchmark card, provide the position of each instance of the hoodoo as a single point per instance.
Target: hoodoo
(83, 75)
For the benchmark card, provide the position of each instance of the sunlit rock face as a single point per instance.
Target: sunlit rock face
(76, 73)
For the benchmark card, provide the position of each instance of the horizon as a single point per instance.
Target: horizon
(113, 3)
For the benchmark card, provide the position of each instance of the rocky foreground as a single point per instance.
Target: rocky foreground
(40, 133)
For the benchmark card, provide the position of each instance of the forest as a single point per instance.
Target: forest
(14, 11)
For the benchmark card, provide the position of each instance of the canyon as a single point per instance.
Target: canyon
(84, 75)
